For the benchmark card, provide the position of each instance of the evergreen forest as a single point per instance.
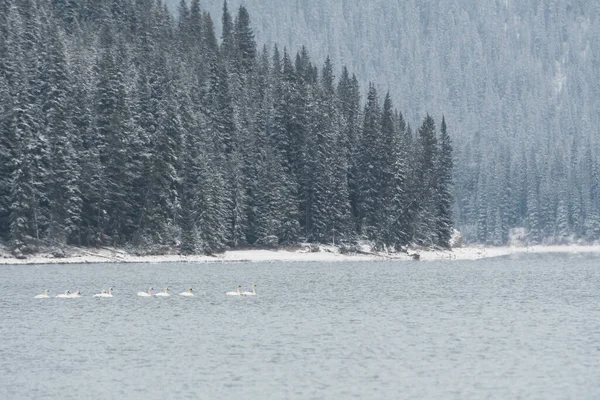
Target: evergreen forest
(517, 81)
(125, 124)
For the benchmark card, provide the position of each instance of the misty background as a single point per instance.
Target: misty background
(516, 80)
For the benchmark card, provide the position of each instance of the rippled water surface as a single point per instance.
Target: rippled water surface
(503, 328)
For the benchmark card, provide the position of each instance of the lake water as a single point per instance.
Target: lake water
(524, 327)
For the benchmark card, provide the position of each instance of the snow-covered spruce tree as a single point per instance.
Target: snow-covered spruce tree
(533, 203)
(88, 150)
(23, 200)
(284, 199)
(210, 206)
(349, 102)
(245, 45)
(35, 143)
(188, 190)
(562, 213)
(320, 144)
(397, 217)
(387, 209)
(6, 129)
(113, 128)
(444, 188)
(370, 168)
(64, 195)
(281, 120)
(426, 176)
(482, 209)
(8, 83)
(17, 124)
(228, 35)
(193, 20)
(162, 192)
(7, 144)
(505, 188)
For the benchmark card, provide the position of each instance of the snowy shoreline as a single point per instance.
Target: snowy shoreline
(325, 254)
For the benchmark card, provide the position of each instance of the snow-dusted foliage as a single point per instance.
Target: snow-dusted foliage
(122, 125)
(516, 80)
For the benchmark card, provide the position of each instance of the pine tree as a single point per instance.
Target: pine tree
(23, 201)
(482, 209)
(370, 167)
(426, 177)
(195, 24)
(320, 159)
(211, 47)
(64, 195)
(228, 35)
(211, 207)
(162, 196)
(397, 221)
(533, 203)
(7, 144)
(349, 97)
(562, 213)
(37, 147)
(244, 41)
(189, 188)
(444, 190)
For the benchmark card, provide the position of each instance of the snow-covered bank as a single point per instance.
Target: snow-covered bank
(476, 253)
(76, 255)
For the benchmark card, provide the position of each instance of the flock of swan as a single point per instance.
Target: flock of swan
(149, 293)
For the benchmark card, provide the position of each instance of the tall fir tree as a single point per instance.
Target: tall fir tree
(427, 178)
(370, 167)
(444, 188)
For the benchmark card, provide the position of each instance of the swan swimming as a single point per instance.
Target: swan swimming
(146, 294)
(164, 293)
(238, 293)
(75, 295)
(43, 295)
(104, 293)
(252, 293)
(65, 295)
(187, 293)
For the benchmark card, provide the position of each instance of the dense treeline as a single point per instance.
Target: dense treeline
(517, 81)
(122, 125)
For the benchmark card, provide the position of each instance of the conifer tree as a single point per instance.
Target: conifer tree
(396, 219)
(64, 195)
(444, 192)
(162, 196)
(7, 145)
(426, 176)
(370, 166)
(228, 34)
(349, 97)
(244, 40)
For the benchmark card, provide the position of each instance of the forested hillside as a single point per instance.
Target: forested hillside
(517, 82)
(123, 125)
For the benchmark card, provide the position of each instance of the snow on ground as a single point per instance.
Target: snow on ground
(76, 255)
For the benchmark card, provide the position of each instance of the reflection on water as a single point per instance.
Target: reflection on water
(524, 327)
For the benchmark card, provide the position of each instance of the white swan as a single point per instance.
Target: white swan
(75, 295)
(187, 293)
(65, 295)
(146, 294)
(104, 293)
(235, 293)
(164, 293)
(43, 295)
(252, 293)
